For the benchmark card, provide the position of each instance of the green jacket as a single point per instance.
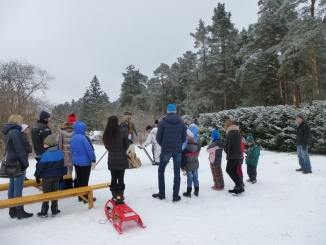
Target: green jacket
(253, 154)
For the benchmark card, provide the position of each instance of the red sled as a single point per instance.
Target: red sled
(121, 212)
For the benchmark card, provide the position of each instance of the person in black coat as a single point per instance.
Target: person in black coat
(16, 150)
(115, 139)
(302, 141)
(233, 154)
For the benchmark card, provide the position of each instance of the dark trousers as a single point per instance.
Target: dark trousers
(231, 169)
(50, 185)
(252, 172)
(117, 176)
(83, 173)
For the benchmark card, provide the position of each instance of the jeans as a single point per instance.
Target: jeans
(164, 160)
(16, 186)
(192, 176)
(304, 159)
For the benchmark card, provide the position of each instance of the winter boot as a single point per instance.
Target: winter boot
(234, 190)
(188, 193)
(196, 191)
(44, 211)
(21, 214)
(238, 190)
(54, 208)
(68, 184)
(12, 212)
(114, 192)
(121, 190)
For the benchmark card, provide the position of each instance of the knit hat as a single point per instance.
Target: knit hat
(191, 140)
(148, 127)
(72, 118)
(50, 141)
(24, 127)
(215, 135)
(300, 115)
(250, 139)
(44, 115)
(191, 120)
(156, 121)
(171, 108)
(127, 113)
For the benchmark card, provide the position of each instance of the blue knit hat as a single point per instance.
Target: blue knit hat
(44, 115)
(215, 135)
(171, 108)
(250, 139)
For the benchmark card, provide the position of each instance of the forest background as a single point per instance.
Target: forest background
(279, 60)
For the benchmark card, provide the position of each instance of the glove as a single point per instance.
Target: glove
(38, 181)
(304, 147)
(61, 179)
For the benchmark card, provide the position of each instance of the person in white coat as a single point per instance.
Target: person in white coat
(151, 139)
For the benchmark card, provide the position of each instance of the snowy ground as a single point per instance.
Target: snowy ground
(283, 207)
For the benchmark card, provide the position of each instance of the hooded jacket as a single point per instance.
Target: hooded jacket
(215, 151)
(81, 150)
(39, 132)
(16, 146)
(171, 133)
(66, 133)
(189, 159)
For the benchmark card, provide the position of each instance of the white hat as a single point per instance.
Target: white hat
(24, 127)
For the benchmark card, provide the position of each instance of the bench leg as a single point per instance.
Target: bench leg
(90, 200)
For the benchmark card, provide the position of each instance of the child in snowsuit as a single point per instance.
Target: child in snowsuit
(252, 159)
(151, 139)
(51, 169)
(190, 165)
(215, 150)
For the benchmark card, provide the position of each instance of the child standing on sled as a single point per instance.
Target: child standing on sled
(252, 158)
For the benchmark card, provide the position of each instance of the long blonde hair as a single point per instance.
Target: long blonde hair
(15, 118)
(228, 123)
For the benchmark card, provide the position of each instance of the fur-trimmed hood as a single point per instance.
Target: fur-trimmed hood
(67, 125)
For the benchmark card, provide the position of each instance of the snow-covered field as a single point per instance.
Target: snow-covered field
(283, 207)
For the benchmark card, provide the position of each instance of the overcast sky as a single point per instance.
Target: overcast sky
(76, 39)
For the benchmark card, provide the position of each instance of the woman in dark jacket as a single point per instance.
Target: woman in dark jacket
(233, 154)
(115, 139)
(16, 150)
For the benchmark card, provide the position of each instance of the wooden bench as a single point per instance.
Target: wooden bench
(51, 196)
(28, 183)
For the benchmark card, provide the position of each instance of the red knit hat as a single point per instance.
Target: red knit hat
(71, 117)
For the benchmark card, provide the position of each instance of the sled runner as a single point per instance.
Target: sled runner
(118, 213)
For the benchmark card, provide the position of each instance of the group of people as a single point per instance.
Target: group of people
(171, 138)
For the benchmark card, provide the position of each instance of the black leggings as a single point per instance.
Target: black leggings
(117, 176)
(231, 169)
(83, 173)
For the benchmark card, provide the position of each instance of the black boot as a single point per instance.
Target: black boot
(238, 190)
(196, 191)
(21, 214)
(12, 212)
(68, 184)
(188, 193)
(121, 190)
(54, 208)
(114, 192)
(44, 211)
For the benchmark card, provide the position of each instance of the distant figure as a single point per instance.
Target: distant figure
(151, 139)
(115, 140)
(170, 136)
(66, 133)
(215, 150)
(39, 132)
(190, 165)
(155, 125)
(252, 158)
(303, 141)
(50, 169)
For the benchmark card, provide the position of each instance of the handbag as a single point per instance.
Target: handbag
(9, 169)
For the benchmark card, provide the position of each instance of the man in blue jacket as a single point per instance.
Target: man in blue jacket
(170, 136)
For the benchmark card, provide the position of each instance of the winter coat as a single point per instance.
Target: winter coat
(16, 146)
(81, 149)
(125, 124)
(215, 151)
(66, 133)
(29, 147)
(303, 135)
(189, 159)
(171, 133)
(51, 164)
(193, 129)
(39, 132)
(117, 159)
(253, 154)
(151, 139)
(233, 143)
